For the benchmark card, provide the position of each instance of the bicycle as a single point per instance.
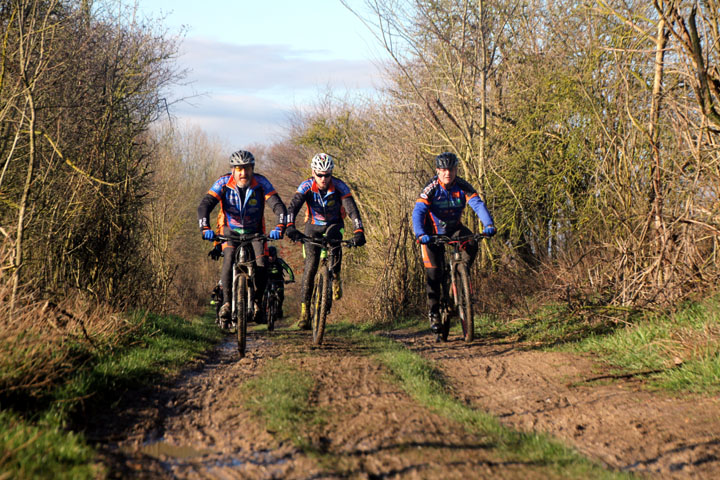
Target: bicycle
(271, 302)
(243, 282)
(321, 300)
(456, 287)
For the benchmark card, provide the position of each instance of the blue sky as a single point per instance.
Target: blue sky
(254, 62)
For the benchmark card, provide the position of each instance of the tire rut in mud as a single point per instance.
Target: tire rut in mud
(617, 422)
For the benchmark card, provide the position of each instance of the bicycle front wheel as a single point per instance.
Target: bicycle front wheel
(464, 302)
(241, 304)
(321, 305)
(271, 312)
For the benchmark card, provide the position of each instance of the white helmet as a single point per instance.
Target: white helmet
(322, 162)
(242, 157)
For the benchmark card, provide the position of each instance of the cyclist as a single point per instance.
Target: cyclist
(438, 211)
(327, 199)
(242, 195)
(276, 273)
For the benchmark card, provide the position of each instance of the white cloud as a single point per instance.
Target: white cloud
(268, 67)
(247, 92)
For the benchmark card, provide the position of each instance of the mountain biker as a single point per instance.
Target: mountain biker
(242, 195)
(327, 199)
(438, 211)
(277, 267)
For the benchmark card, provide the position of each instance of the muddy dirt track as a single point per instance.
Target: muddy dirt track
(197, 427)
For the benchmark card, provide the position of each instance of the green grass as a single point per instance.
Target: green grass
(161, 347)
(684, 347)
(280, 396)
(43, 450)
(425, 385)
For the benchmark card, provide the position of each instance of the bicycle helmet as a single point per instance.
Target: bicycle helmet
(322, 162)
(446, 160)
(272, 251)
(242, 157)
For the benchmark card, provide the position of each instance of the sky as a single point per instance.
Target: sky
(252, 63)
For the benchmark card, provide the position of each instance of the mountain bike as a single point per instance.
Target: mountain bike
(271, 302)
(243, 282)
(321, 300)
(456, 287)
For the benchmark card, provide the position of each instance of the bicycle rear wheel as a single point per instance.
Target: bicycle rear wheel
(464, 302)
(321, 305)
(241, 304)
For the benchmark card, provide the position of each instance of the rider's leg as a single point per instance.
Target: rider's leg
(335, 232)
(261, 275)
(226, 277)
(312, 258)
(433, 258)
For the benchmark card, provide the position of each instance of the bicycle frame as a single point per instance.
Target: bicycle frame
(456, 290)
(321, 296)
(243, 278)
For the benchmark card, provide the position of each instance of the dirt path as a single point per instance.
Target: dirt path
(610, 419)
(197, 427)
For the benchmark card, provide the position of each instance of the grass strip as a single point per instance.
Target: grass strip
(280, 396)
(34, 441)
(424, 383)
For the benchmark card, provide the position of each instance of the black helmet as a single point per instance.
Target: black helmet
(242, 157)
(272, 251)
(446, 160)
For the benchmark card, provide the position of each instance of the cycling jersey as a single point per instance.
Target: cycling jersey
(439, 208)
(325, 208)
(241, 208)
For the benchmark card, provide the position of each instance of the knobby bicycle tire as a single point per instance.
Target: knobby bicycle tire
(272, 311)
(464, 302)
(321, 305)
(241, 299)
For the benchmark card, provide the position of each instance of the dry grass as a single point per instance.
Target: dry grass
(42, 342)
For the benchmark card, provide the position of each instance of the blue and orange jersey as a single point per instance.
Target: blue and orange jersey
(325, 207)
(439, 208)
(241, 207)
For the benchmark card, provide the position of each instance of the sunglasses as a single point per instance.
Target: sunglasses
(323, 175)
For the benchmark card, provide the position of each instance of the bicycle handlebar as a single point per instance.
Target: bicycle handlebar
(241, 237)
(444, 239)
(325, 242)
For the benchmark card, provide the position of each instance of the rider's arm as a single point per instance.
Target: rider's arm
(278, 207)
(348, 203)
(287, 268)
(420, 212)
(206, 206)
(211, 198)
(351, 208)
(422, 208)
(476, 203)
